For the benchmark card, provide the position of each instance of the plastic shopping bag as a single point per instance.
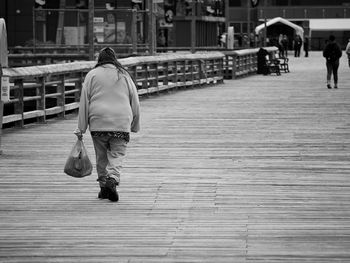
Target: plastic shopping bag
(78, 163)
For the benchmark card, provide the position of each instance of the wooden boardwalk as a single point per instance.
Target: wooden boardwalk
(254, 170)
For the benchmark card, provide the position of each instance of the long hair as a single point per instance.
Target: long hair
(108, 56)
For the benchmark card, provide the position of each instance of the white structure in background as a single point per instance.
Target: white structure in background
(331, 24)
(298, 29)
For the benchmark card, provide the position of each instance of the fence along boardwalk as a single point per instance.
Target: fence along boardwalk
(253, 170)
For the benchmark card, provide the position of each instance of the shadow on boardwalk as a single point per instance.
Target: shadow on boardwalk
(254, 170)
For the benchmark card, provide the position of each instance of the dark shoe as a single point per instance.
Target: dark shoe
(111, 184)
(329, 86)
(335, 87)
(104, 193)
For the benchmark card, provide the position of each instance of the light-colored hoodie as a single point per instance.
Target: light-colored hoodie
(109, 101)
(347, 49)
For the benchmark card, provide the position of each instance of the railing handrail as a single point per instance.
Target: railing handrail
(87, 65)
(244, 52)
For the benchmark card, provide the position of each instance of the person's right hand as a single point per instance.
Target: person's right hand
(79, 134)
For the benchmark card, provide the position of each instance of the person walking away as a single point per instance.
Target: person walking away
(347, 51)
(332, 53)
(109, 106)
(306, 46)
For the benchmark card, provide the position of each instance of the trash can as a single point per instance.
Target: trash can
(262, 65)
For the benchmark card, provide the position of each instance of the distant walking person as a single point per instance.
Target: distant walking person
(332, 53)
(109, 105)
(347, 51)
(306, 46)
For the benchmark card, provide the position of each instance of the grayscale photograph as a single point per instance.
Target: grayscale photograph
(174, 131)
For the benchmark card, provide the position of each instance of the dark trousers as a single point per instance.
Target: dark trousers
(332, 68)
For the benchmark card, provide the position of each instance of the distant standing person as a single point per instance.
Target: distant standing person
(306, 46)
(347, 51)
(332, 53)
(109, 106)
(280, 46)
(285, 45)
(298, 42)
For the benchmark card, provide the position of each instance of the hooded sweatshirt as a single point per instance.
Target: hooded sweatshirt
(109, 101)
(332, 52)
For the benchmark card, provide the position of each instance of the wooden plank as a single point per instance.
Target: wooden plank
(253, 170)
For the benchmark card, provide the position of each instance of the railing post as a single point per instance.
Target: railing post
(191, 67)
(175, 74)
(212, 61)
(221, 69)
(41, 104)
(145, 83)
(198, 71)
(61, 97)
(202, 71)
(183, 72)
(156, 75)
(166, 73)
(78, 86)
(19, 105)
(255, 60)
(226, 66)
(234, 65)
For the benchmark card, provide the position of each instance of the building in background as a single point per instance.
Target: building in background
(177, 23)
(122, 23)
(319, 19)
(191, 22)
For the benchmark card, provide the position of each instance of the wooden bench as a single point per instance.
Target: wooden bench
(273, 65)
(283, 63)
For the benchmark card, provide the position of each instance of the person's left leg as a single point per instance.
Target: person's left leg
(329, 74)
(115, 154)
(335, 67)
(101, 145)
